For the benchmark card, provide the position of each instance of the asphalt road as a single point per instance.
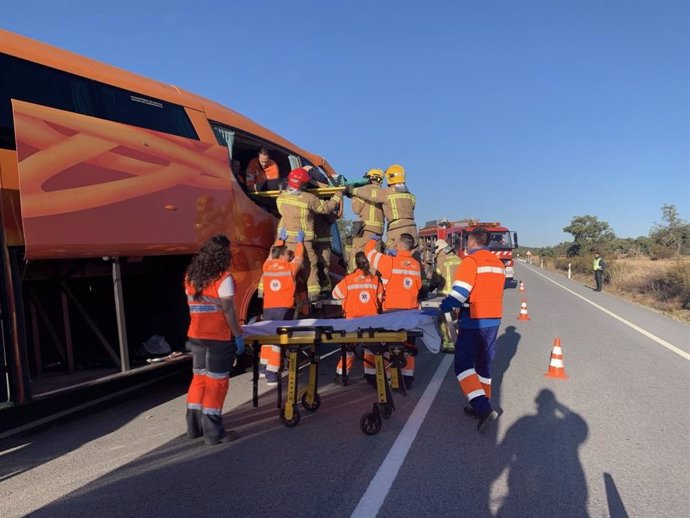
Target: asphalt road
(612, 440)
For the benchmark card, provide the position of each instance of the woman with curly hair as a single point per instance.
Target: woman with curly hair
(214, 339)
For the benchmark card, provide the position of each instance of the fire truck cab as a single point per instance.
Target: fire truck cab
(501, 241)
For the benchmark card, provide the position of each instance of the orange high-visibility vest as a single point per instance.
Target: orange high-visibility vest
(207, 318)
(279, 280)
(257, 174)
(360, 294)
(401, 276)
(483, 275)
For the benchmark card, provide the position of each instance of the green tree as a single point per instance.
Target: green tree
(674, 234)
(588, 233)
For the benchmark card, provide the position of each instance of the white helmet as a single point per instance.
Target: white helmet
(440, 245)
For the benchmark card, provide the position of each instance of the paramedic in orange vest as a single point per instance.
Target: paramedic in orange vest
(361, 293)
(262, 173)
(402, 279)
(214, 339)
(297, 209)
(478, 289)
(278, 286)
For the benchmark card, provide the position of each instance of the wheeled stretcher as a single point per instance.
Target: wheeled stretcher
(300, 344)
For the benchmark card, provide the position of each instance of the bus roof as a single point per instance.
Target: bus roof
(54, 57)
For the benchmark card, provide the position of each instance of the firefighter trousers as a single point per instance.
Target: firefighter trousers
(211, 364)
(309, 270)
(474, 353)
(322, 249)
(393, 235)
(358, 244)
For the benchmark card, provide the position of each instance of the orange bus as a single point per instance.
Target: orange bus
(108, 182)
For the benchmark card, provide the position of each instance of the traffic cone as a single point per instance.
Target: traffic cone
(523, 311)
(556, 365)
(522, 287)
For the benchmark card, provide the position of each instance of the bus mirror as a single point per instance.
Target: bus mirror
(515, 240)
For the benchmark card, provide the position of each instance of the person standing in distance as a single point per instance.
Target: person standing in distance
(599, 265)
(478, 290)
(214, 337)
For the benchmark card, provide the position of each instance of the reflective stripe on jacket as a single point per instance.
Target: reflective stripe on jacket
(446, 265)
(278, 280)
(367, 204)
(207, 318)
(401, 276)
(480, 278)
(398, 207)
(360, 294)
(297, 209)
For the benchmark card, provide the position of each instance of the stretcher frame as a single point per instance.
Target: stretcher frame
(307, 341)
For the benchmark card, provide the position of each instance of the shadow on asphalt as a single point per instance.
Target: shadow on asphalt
(267, 463)
(36, 447)
(540, 453)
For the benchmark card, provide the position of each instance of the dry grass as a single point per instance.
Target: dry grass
(663, 285)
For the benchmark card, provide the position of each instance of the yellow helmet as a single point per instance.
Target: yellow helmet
(395, 174)
(375, 174)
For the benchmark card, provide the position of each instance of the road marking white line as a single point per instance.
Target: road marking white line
(680, 352)
(379, 486)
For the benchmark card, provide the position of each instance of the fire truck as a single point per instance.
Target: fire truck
(501, 240)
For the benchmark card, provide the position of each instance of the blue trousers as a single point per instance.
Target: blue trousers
(475, 350)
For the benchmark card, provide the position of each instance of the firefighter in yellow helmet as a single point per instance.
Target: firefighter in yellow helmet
(367, 204)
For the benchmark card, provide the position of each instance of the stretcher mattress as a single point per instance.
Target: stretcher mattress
(408, 320)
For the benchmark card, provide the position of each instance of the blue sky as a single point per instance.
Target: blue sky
(528, 112)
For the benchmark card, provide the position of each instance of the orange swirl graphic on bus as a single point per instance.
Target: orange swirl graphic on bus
(125, 161)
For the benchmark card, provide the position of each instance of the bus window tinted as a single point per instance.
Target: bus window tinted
(138, 110)
(28, 81)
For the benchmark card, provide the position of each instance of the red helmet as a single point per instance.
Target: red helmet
(297, 178)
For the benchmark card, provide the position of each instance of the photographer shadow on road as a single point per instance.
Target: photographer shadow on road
(541, 454)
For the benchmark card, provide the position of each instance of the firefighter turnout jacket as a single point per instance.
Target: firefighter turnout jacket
(446, 265)
(479, 281)
(278, 280)
(367, 205)
(297, 209)
(207, 318)
(401, 276)
(398, 206)
(361, 294)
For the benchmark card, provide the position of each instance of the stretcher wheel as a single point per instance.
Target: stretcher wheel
(371, 423)
(313, 406)
(290, 423)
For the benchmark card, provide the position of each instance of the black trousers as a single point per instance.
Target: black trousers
(598, 278)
